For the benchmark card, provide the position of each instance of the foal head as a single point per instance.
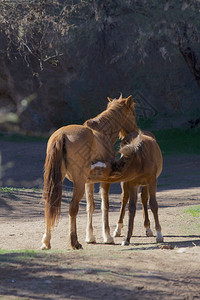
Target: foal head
(126, 116)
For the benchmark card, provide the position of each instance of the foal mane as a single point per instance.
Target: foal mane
(132, 147)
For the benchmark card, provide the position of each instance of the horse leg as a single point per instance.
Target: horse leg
(144, 198)
(108, 239)
(132, 211)
(89, 190)
(154, 208)
(78, 192)
(46, 238)
(124, 200)
(46, 245)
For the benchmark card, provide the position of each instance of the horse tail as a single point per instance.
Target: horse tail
(52, 191)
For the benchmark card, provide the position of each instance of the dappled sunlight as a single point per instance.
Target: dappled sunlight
(59, 62)
(59, 274)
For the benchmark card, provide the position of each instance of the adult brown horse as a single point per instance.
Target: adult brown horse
(71, 150)
(140, 165)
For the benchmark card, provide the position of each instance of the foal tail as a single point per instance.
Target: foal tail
(52, 191)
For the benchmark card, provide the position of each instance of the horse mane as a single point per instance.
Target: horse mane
(133, 146)
(113, 111)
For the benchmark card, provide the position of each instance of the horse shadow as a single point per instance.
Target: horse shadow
(192, 241)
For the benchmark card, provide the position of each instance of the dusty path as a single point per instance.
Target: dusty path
(139, 271)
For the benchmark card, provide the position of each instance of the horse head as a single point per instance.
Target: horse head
(127, 116)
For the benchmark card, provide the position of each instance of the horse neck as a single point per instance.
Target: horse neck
(109, 125)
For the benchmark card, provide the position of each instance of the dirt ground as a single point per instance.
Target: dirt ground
(139, 271)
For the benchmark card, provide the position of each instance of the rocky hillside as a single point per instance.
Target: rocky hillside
(61, 59)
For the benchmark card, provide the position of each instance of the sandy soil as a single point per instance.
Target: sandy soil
(139, 271)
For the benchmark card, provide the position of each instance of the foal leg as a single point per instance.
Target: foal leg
(108, 239)
(144, 198)
(154, 208)
(124, 200)
(78, 192)
(132, 211)
(89, 190)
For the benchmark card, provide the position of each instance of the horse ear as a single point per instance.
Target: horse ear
(109, 99)
(129, 100)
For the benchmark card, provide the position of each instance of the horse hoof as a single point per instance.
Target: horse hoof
(117, 231)
(159, 238)
(45, 247)
(109, 240)
(149, 232)
(77, 246)
(125, 243)
(116, 234)
(91, 240)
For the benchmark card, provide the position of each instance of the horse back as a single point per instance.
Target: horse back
(83, 145)
(77, 141)
(152, 155)
(72, 133)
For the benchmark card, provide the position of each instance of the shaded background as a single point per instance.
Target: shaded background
(61, 59)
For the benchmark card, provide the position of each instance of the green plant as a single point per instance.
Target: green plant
(13, 189)
(194, 211)
(17, 138)
(176, 140)
(9, 189)
(179, 141)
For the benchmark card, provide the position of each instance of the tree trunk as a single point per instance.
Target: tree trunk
(192, 61)
(187, 52)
